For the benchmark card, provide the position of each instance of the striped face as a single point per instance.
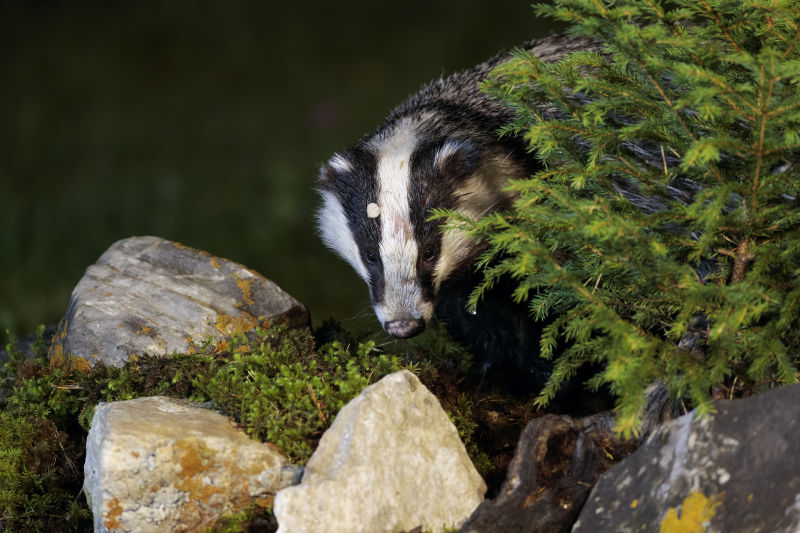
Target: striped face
(376, 199)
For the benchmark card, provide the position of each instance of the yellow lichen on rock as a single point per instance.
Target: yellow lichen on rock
(244, 286)
(160, 464)
(80, 364)
(112, 515)
(197, 462)
(696, 512)
(230, 325)
(58, 359)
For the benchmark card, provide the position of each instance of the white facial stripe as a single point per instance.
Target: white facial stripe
(336, 233)
(340, 164)
(402, 294)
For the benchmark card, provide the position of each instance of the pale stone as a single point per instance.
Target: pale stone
(391, 461)
(161, 464)
(149, 295)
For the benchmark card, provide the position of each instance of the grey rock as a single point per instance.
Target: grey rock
(557, 461)
(738, 470)
(150, 295)
(391, 461)
(160, 464)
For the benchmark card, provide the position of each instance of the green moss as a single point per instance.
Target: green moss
(281, 385)
(254, 518)
(284, 391)
(276, 383)
(41, 450)
(273, 382)
(40, 476)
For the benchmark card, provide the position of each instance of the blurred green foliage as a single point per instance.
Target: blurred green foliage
(203, 122)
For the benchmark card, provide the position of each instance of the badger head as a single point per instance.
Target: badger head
(376, 202)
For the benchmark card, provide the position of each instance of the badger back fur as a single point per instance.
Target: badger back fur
(439, 149)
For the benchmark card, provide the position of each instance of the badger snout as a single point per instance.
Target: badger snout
(405, 327)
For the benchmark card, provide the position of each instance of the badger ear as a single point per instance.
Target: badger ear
(330, 171)
(456, 158)
(326, 177)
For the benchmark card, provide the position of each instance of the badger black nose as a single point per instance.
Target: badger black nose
(405, 327)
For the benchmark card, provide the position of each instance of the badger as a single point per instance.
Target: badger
(438, 149)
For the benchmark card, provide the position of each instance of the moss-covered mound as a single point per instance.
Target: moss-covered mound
(281, 385)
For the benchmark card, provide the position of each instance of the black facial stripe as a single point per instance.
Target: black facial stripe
(434, 186)
(356, 189)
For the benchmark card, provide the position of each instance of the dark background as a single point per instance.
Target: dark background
(204, 123)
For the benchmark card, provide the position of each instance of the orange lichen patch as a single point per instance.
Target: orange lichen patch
(198, 490)
(114, 511)
(196, 457)
(135, 454)
(265, 503)
(199, 463)
(191, 347)
(57, 357)
(244, 286)
(222, 346)
(61, 334)
(79, 364)
(214, 262)
(229, 325)
(196, 462)
(697, 511)
(109, 294)
(144, 329)
(180, 246)
(73, 362)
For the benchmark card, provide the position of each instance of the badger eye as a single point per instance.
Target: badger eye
(370, 257)
(428, 254)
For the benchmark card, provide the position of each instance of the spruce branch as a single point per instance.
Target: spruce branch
(661, 236)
